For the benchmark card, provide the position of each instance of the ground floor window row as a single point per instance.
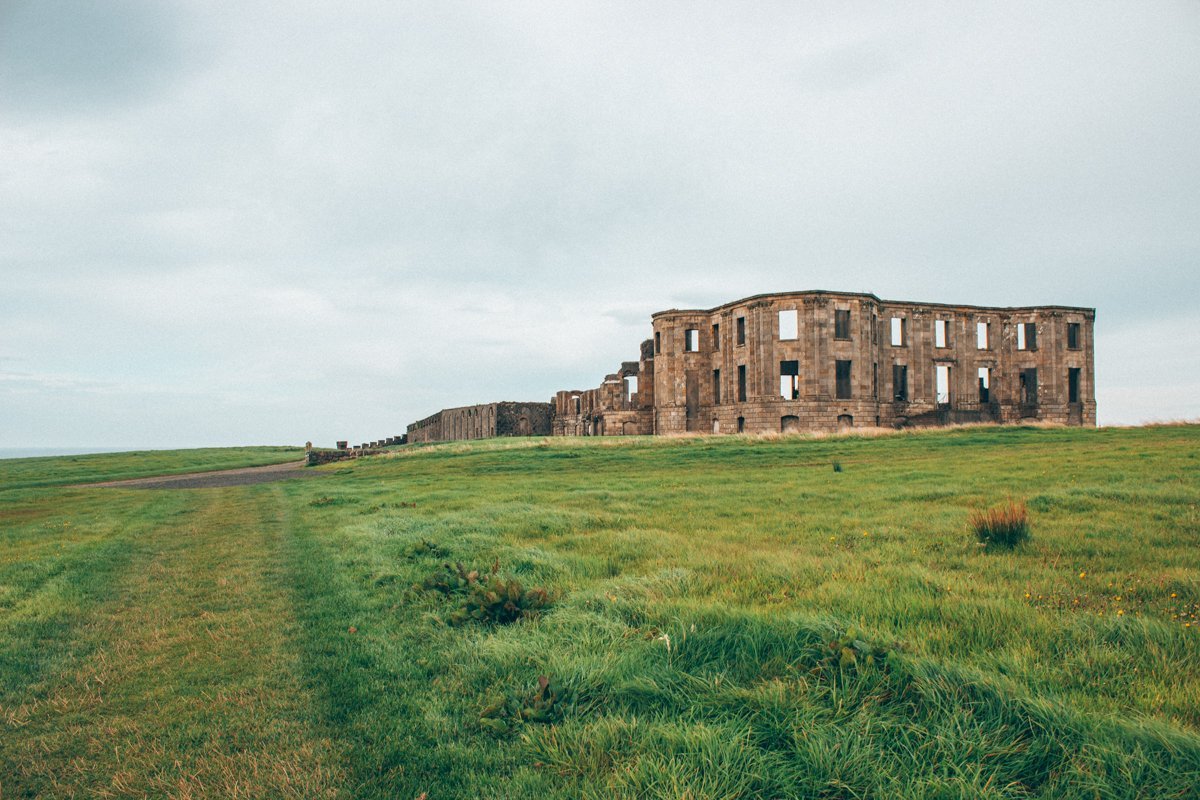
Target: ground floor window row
(789, 383)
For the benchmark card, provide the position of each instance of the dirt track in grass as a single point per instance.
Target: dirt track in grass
(247, 476)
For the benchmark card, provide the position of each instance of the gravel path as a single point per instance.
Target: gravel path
(211, 480)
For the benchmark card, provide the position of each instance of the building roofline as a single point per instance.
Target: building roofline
(869, 296)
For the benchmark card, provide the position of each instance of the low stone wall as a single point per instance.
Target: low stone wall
(317, 457)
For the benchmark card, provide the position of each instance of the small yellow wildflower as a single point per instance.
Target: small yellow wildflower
(1173, 594)
(1120, 613)
(1027, 595)
(1083, 575)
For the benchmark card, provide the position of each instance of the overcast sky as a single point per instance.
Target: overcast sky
(235, 223)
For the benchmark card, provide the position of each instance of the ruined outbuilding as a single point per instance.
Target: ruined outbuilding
(829, 361)
(483, 421)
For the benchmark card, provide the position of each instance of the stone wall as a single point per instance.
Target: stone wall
(483, 421)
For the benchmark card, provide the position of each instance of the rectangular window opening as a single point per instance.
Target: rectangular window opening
(789, 380)
(741, 330)
(900, 383)
(631, 387)
(741, 396)
(657, 343)
(841, 323)
(941, 333)
(898, 331)
(1073, 385)
(1029, 387)
(985, 384)
(716, 387)
(981, 335)
(716, 337)
(843, 380)
(691, 340)
(789, 324)
(942, 377)
(1072, 335)
(1027, 336)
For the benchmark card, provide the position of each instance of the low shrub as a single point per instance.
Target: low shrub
(486, 597)
(1003, 526)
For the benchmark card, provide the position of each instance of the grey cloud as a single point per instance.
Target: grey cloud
(425, 205)
(75, 57)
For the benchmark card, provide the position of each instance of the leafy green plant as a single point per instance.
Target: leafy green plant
(543, 705)
(849, 651)
(501, 712)
(487, 597)
(424, 547)
(1003, 526)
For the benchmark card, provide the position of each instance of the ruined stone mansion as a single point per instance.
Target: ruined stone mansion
(819, 361)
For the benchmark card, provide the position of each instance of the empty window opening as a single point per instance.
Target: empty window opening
(716, 387)
(657, 343)
(716, 337)
(631, 386)
(789, 324)
(899, 324)
(843, 380)
(985, 384)
(942, 378)
(789, 424)
(900, 383)
(741, 424)
(875, 381)
(741, 330)
(874, 329)
(576, 399)
(1027, 336)
(741, 383)
(982, 329)
(1072, 335)
(941, 333)
(691, 340)
(716, 425)
(789, 380)
(1073, 385)
(841, 323)
(845, 422)
(1029, 387)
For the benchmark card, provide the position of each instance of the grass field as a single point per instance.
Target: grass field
(731, 617)
(23, 473)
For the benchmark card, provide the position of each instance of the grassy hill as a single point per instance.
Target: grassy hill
(727, 617)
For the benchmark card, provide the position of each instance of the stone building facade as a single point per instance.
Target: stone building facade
(623, 405)
(828, 361)
(483, 422)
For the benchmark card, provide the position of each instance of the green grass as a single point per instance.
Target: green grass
(267, 641)
(23, 473)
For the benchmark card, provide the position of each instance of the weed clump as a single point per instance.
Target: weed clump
(851, 652)
(486, 597)
(502, 713)
(1003, 526)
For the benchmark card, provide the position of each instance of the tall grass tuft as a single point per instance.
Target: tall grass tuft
(1003, 526)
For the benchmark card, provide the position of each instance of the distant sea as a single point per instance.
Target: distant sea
(35, 452)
